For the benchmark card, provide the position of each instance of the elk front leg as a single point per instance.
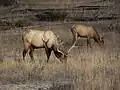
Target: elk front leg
(89, 42)
(48, 52)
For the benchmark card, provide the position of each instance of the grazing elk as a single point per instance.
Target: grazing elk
(88, 32)
(33, 39)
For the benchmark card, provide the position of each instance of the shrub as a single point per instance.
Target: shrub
(5, 25)
(22, 23)
(7, 2)
(52, 16)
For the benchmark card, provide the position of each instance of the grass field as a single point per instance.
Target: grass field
(86, 68)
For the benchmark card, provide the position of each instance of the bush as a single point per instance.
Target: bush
(22, 23)
(4, 25)
(52, 16)
(7, 2)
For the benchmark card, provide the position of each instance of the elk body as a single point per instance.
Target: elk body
(34, 39)
(84, 31)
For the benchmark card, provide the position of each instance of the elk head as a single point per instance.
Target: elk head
(101, 40)
(62, 56)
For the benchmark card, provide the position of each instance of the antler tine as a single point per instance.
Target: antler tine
(57, 36)
(61, 43)
(71, 48)
(44, 40)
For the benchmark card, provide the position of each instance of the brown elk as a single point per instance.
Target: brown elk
(34, 39)
(84, 31)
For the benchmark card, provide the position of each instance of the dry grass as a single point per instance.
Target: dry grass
(87, 69)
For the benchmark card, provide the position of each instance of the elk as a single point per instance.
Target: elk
(85, 31)
(34, 39)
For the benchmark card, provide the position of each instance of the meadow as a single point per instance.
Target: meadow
(86, 68)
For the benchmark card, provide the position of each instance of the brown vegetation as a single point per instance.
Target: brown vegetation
(86, 68)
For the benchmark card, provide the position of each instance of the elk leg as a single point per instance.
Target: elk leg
(89, 42)
(24, 53)
(26, 48)
(31, 53)
(48, 52)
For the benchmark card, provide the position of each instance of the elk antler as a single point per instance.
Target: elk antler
(59, 44)
(44, 40)
(57, 36)
(71, 48)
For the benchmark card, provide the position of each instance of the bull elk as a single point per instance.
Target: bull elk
(84, 31)
(34, 39)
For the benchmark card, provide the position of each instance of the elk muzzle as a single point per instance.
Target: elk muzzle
(63, 58)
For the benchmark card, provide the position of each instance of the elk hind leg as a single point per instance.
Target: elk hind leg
(24, 52)
(31, 53)
(26, 48)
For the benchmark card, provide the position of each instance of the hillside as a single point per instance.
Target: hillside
(33, 12)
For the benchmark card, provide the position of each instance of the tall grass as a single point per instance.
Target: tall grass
(87, 68)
